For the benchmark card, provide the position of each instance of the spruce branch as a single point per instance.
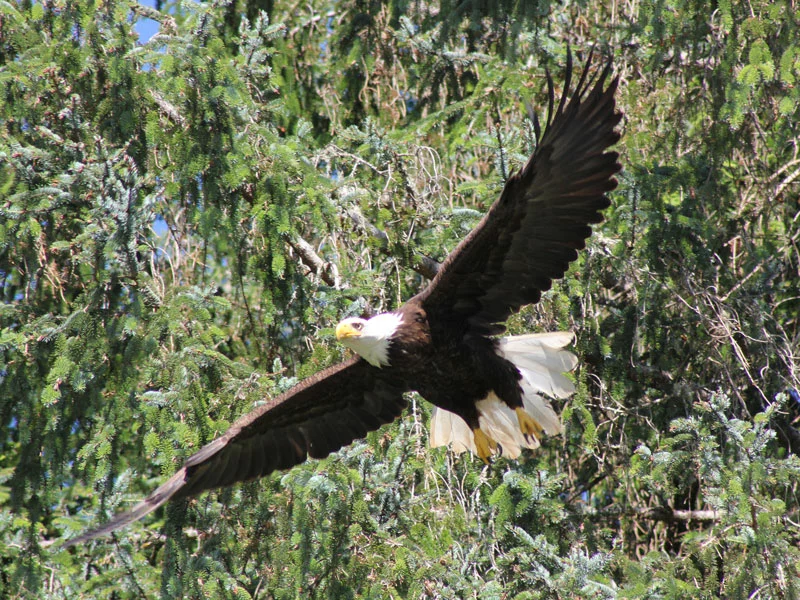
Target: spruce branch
(168, 109)
(326, 270)
(424, 265)
(656, 513)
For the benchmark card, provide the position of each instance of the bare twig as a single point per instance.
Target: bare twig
(789, 179)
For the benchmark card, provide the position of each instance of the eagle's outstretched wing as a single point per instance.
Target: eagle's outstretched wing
(542, 218)
(316, 417)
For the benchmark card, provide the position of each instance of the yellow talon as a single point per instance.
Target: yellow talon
(528, 425)
(484, 444)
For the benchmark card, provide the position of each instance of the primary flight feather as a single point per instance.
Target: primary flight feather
(488, 392)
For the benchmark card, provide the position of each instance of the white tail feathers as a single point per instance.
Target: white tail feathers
(542, 362)
(449, 429)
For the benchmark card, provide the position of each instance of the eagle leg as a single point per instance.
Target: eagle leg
(484, 444)
(528, 425)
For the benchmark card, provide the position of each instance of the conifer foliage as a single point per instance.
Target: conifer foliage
(184, 217)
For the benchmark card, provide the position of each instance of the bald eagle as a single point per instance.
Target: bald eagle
(442, 343)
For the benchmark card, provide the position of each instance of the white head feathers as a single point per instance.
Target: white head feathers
(369, 338)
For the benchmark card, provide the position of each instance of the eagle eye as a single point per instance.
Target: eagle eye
(358, 325)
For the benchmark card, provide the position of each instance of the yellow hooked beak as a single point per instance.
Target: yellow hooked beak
(345, 330)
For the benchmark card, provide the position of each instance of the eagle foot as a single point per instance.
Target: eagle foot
(484, 444)
(529, 426)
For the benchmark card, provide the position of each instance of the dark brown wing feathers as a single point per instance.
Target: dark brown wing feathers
(316, 417)
(534, 230)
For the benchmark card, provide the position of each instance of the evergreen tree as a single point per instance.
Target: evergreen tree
(183, 220)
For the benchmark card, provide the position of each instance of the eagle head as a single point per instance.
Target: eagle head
(369, 338)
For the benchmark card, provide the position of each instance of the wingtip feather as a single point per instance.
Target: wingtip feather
(160, 496)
